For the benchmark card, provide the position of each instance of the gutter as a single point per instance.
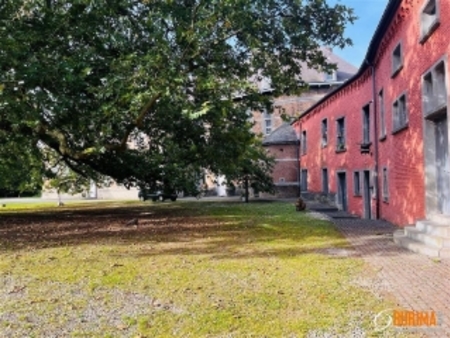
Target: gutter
(383, 25)
(376, 140)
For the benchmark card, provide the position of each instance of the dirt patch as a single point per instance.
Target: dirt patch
(73, 227)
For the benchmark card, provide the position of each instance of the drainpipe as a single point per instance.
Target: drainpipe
(298, 161)
(376, 139)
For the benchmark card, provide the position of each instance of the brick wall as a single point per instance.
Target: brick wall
(402, 152)
(289, 105)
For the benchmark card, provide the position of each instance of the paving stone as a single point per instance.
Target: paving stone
(418, 282)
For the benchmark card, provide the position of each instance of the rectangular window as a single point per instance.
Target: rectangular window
(325, 189)
(330, 77)
(340, 134)
(304, 180)
(385, 185)
(357, 183)
(397, 59)
(399, 114)
(382, 115)
(267, 123)
(434, 91)
(366, 125)
(324, 132)
(303, 142)
(429, 19)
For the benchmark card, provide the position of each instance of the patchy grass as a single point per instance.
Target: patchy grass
(188, 270)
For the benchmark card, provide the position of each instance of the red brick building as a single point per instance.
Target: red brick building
(279, 138)
(378, 145)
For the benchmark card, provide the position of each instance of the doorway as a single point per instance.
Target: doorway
(367, 195)
(342, 191)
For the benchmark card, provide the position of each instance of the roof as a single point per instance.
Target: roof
(383, 25)
(344, 72)
(285, 134)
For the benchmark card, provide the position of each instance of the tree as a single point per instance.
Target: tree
(145, 90)
(21, 169)
(252, 170)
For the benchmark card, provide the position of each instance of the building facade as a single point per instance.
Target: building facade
(279, 137)
(378, 145)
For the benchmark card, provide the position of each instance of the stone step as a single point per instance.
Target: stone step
(433, 228)
(427, 238)
(407, 242)
(440, 219)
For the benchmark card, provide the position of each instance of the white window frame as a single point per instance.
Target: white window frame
(330, 77)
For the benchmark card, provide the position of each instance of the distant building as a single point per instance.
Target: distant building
(279, 137)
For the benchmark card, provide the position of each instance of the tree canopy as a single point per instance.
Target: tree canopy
(146, 91)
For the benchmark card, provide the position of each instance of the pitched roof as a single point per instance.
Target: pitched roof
(344, 70)
(285, 134)
(308, 75)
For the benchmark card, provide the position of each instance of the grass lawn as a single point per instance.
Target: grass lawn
(197, 269)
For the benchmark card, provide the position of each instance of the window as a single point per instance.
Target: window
(385, 185)
(325, 189)
(330, 77)
(366, 125)
(399, 114)
(324, 132)
(340, 134)
(304, 180)
(303, 142)
(429, 19)
(434, 89)
(267, 123)
(397, 59)
(356, 183)
(382, 115)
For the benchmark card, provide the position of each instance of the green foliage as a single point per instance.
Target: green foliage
(145, 91)
(21, 169)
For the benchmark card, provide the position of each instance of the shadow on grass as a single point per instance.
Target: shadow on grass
(230, 230)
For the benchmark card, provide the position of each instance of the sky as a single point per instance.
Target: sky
(369, 14)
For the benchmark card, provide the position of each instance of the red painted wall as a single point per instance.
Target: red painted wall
(402, 152)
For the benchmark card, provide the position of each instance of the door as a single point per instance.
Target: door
(442, 165)
(366, 196)
(342, 191)
(325, 181)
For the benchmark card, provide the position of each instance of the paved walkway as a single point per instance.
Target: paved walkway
(418, 283)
